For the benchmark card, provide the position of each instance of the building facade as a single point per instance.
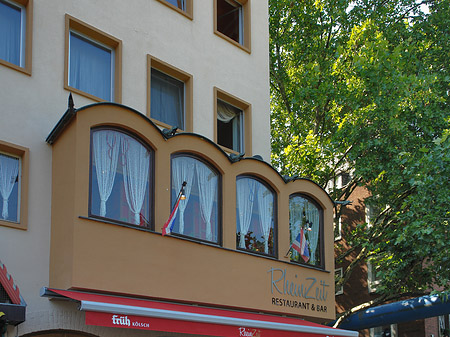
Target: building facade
(362, 284)
(122, 121)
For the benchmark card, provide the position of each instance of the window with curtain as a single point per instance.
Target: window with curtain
(9, 188)
(230, 19)
(230, 125)
(305, 227)
(91, 67)
(198, 215)
(167, 99)
(121, 172)
(12, 33)
(255, 216)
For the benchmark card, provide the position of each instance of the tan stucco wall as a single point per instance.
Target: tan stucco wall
(93, 255)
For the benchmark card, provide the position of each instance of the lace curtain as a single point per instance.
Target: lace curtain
(9, 171)
(90, 67)
(207, 186)
(10, 33)
(183, 170)
(245, 194)
(135, 174)
(106, 146)
(301, 210)
(265, 205)
(312, 215)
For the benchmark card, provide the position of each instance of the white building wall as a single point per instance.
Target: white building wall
(30, 106)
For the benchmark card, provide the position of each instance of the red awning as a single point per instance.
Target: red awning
(132, 313)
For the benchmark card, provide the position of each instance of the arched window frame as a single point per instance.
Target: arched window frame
(219, 210)
(273, 237)
(320, 240)
(147, 224)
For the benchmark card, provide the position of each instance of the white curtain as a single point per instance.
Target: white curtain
(225, 112)
(207, 185)
(182, 170)
(312, 216)
(9, 170)
(296, 207)
(245, 194)
(10, 33)
(265, 205)
(90, 67)
(106, 146)
(136, 165)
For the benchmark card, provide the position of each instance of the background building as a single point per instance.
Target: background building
(362, 284)
(88, 180)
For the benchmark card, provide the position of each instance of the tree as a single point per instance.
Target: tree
(363, 87)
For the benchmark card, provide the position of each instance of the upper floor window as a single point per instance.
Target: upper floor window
(93, 60)
(305, 225)
(121, 176)
(182, 6)
(255, 216)
(198, 213)
(233, 123)
(232, 21)
(230, 124)
(91, 67)
(170, 95)
(167, 98)
(15, 35)
(13, 185)
(338, 274)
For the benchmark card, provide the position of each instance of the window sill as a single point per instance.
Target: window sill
(12, 224)
(85, 94)
(117, 223)
(230, 40)
(24, 70)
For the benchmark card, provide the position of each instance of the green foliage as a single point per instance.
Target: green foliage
(363, 87)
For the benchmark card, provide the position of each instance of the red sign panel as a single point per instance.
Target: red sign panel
(177, 326)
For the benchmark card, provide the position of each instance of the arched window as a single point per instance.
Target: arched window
(255, 216)
(121, 175)
(198, 214)
(306, 228)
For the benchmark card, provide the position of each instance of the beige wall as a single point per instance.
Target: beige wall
(33, 103)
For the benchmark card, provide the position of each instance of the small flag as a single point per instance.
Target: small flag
(167, 229)
(301, 245)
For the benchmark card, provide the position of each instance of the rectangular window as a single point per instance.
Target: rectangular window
(230, 123)
(338, 229)
(337, 276)
(232, 21)
(91, 67)
(167, 99)
(169, 95)
(13, 185)
(15, 35)
(233, 123)
(372, 279)
(182, 6)
(92, 62)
